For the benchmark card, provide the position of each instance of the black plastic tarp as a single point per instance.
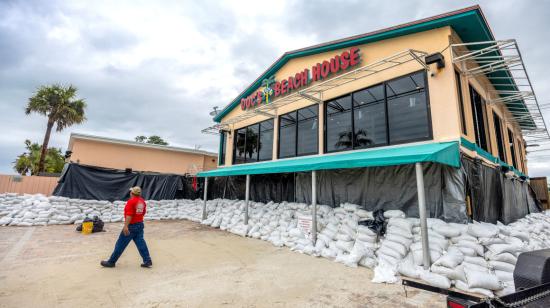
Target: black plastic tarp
(263, 187)
(496, 196)
(96, 183)
(389, 188)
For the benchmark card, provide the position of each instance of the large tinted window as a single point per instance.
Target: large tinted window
(339, 125)
(460, 103)
(498, 135)
(252, 138)
(308, 130)
(239, 153)
(478, 114)
(513, 161)
(287, 135)
(392, 112)
(369, 117)
(298, 133)
(265, 151)
(254, 143)
(407, 109)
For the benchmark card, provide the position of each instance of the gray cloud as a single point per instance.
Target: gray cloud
(135, 87)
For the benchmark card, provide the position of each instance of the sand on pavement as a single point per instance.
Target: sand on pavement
(194, 266)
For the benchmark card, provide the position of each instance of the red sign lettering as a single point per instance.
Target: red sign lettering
(319, 71)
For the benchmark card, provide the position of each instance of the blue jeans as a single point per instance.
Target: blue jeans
(136, 234)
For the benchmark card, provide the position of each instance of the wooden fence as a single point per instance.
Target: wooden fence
(540, 186)
(27, 184)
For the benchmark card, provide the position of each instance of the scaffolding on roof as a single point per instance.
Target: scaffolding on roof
(315, 92)
(501, 62)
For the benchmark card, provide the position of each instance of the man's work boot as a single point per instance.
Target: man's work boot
(107, 264)
(147, 264)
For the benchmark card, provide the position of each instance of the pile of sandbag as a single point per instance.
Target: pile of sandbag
(476, 257)
(39, 210)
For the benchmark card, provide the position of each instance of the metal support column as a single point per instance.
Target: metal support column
(314, 206)
(204, 199)
(423, 216)
(247, 199)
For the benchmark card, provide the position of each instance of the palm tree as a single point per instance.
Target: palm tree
(59, 104)
(28, 162)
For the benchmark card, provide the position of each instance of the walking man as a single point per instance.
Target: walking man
(134, 211)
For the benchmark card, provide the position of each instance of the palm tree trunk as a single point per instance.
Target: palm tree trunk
(45, 146)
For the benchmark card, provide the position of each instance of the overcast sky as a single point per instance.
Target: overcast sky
(158, 67)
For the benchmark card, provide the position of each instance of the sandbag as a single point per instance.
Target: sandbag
(484, 280)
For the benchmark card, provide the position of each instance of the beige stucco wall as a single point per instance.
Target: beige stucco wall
(120, 156)
(443, 96)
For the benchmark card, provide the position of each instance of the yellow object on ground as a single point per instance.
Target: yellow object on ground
(87, 227)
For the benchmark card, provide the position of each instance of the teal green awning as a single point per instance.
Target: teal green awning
(446, 153)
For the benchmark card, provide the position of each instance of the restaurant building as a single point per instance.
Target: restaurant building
(432, 117)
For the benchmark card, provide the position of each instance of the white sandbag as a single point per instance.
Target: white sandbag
(343, 237)
(401, 223)
(365, 230)
(399, 239)
(366, 238)
(344, 245)
(368, 262)
(501, 248)
(476, 247)
(397, 247)
(394, 214)
(464, 287)
(503, 257)
(447, 230)
(464, 237)
(450, 260)
(484, 280)
(407, 268)
(502, 266)
(483, 230)
(385, 250)
(476, 260)
(524, 236)
(435, 280)
(384, 274)
(364, 214)
(504, 275)
(456, 273)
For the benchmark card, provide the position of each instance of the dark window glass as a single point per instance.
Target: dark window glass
(407, 109)
(479, 118)
(369, 117)
(252, 138)
(460, 103)
(339, 124)
(287, 135)
(221, 160)
(498, 134)
(514, 161)
(265, 151)
(308, 130)
(238, 152)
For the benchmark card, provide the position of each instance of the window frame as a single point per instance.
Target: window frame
(498, 133)
(235, 139)
(388, 143)
(458, 84)
(512, 147)
(223, 149)
(296, 133)
(484, 119)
